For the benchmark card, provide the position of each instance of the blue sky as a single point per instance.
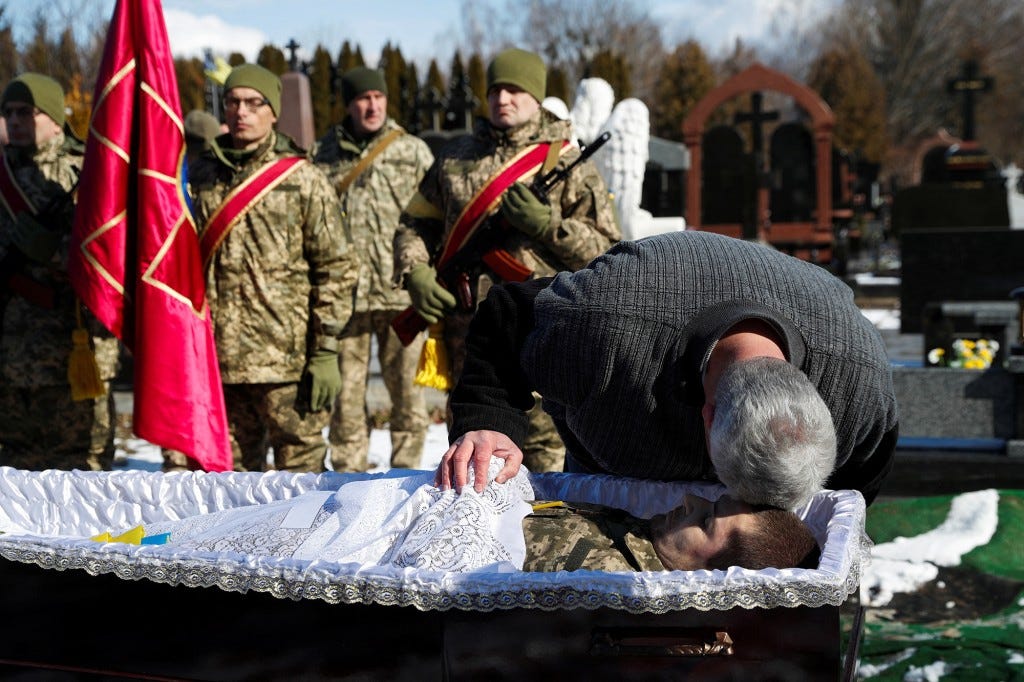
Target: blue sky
(422, 28)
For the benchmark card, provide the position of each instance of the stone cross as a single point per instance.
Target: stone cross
(433, 103)
(969, 84)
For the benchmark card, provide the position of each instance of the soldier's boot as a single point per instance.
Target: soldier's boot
(407, 449)
(349, 454)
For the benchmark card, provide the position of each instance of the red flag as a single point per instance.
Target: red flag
(135, 251)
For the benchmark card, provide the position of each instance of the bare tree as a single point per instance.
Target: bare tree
(569, 34)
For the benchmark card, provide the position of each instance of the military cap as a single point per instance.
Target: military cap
(520, 68)
(256, 77)
(42, 92)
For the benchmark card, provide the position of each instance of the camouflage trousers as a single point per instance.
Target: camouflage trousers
(265, 415)
(350, 420)
(43, 428)
(543, 449)
(563, 538)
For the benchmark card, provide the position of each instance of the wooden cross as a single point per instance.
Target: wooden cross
(969, 84)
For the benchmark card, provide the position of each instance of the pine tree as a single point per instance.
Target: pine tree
(347, 58)
(558, 85)
(394, 67)
(191, 83)
(36, 54)
(848, 84)
(272, 59)
(321, 74)
(477, 73)
(686, 76)
(8, 49)
(66, 63)
(612, 67)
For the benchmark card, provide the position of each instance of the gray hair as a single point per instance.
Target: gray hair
(772, 439)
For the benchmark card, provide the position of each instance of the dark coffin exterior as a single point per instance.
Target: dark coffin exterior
(73, 625)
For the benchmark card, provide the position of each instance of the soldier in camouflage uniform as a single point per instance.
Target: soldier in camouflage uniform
(280, 284)
(40, 425)
(375, 168)
(575, 225)
(699, 534)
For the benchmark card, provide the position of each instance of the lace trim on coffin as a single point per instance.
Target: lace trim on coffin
(590, 590)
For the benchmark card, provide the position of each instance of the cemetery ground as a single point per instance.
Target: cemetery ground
(951, 608)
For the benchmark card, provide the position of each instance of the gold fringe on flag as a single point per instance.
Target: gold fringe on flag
(83, 372)
(433, 371)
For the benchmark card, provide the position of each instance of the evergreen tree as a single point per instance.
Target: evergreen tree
(8, 50)
(191, 84)
(477, 73)
(558, 85)
(612, 67)
(349, 58)
(321, 75)
(848, 84)
(394, 67)
(66, 65)
(410, 96)
(236, 59)
(686, 77)
(272, 59)
(36, 54)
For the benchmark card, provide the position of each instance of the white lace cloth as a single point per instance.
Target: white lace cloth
(388, 539)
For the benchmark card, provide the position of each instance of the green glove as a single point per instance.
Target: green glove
(34, 240)
(324, 379)
(525, 211)
(429, 298)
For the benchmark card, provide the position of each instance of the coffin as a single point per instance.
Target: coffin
(85, 607)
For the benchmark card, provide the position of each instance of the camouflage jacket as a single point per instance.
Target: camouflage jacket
(36, 341)
(281, 283)
(587, 537)
(583, 226)
(373, 204)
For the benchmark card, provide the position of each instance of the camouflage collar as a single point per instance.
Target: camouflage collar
(350, 142)
(543, 126)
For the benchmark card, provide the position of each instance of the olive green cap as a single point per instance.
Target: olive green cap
(361, 79)
(256, 77)
(42, 92)
(520, 68)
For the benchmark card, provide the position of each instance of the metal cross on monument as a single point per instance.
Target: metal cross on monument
(757, 116)
(293, 58)
(969, 84)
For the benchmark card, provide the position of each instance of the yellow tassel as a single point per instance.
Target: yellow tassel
(433, 371)
(83, 372)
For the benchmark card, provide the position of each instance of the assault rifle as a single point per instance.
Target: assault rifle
(482, 247)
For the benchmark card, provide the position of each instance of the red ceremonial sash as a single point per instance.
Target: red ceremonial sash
(13, 199)
(241, 199)
(485, 202)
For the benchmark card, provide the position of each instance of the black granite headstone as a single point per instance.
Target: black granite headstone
(941, 265)
(728, 195)
(793, 184)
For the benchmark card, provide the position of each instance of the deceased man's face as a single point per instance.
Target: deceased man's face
(686, 537)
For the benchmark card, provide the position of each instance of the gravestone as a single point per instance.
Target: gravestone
(956, 265)
(728, 191)
(792, 175)
(665, 178)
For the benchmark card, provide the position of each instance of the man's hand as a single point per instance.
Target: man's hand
(324, 379)
(429, 298)
(477, 447)
(34, 240)
(525, 211)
